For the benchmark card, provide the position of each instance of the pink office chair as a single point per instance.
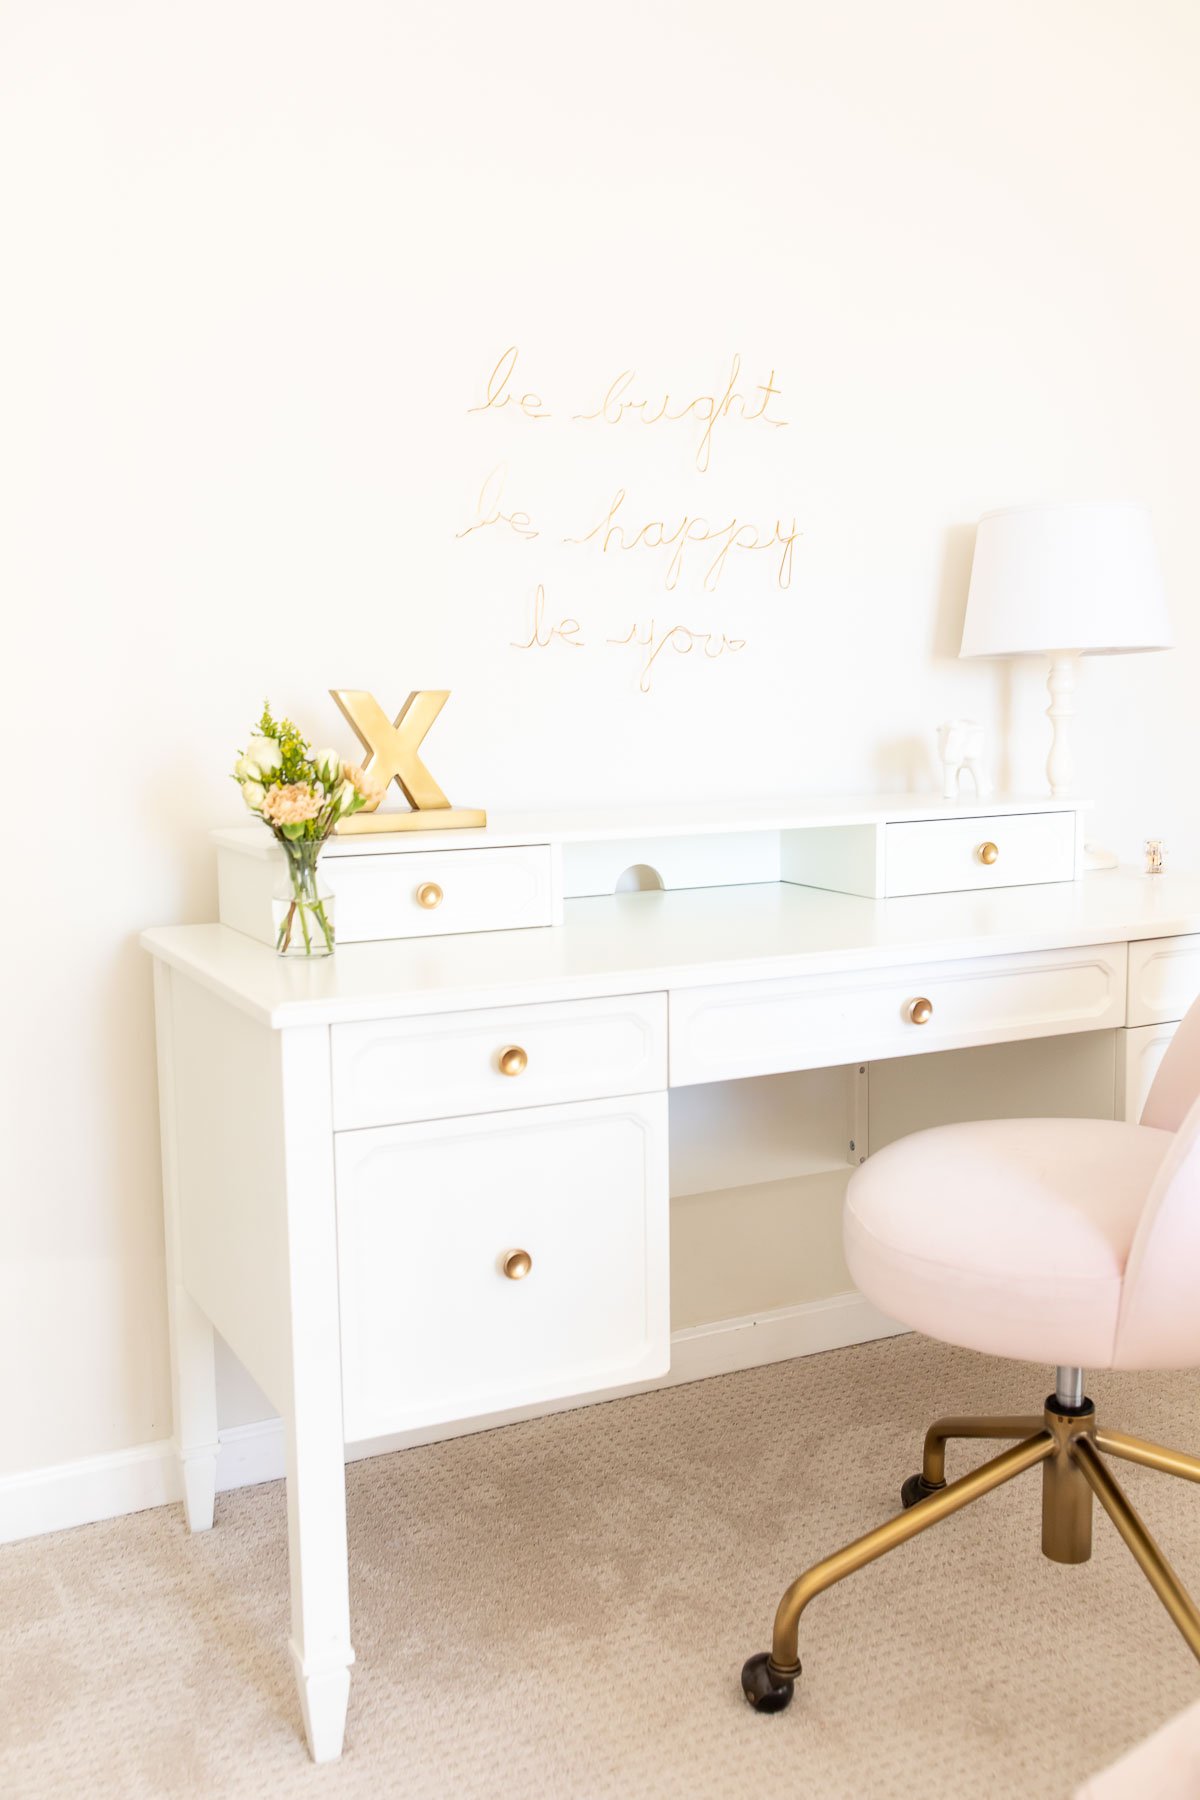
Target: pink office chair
(1068, 1241)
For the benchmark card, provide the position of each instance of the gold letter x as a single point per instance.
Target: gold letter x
(392, 748)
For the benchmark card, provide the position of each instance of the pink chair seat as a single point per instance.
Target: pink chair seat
(1010, 1237)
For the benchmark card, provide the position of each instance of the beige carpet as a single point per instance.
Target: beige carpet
(561, 1609)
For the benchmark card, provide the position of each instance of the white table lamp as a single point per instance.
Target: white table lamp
(1064, 581)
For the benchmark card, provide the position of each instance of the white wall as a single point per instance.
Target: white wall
(258, 261)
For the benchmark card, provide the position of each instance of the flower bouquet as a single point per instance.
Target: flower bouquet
(301, 794)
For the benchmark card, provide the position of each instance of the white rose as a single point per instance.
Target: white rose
(254, 793)
(328, 765)
(266, 753)
(245, 770)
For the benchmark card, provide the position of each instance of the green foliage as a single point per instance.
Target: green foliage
(292, 747)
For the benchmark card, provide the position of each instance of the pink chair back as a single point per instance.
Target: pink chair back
(1159, 1323)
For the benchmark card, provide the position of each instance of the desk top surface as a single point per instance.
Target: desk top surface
(638, 943)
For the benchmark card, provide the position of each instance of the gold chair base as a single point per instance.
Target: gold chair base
(1070, 1448)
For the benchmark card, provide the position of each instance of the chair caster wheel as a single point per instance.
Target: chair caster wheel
(917, 1488)
(763, 1690)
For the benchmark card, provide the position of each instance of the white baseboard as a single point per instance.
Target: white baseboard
(95, 1487)
(103, 1487)
(250, 1454)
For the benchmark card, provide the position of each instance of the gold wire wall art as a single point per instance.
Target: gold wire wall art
(617, 546)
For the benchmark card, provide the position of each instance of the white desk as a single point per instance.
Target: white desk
(347, 1169)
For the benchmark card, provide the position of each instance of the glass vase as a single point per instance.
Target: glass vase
(302, 905)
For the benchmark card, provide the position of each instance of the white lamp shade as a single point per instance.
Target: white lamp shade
(1081, 576)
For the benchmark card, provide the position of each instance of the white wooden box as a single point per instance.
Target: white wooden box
(376, 883)
(940, 856)
(917, 848)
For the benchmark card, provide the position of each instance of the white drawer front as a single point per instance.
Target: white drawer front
(389, 1071)
(432, 1328)
(1139, 1057)
(481, 890)
(938, 856)
(1164, 979)
(765, 1027)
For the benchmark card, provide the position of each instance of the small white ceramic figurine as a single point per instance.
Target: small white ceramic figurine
(960, 746)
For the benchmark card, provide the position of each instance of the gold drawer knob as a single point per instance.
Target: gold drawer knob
(429, 895)
(989, 853)
(517, 1264)
(513, 1061)
(921, 1011)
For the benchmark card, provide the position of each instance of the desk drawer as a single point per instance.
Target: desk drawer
(938, 856)
(434, 893)
(433, 1329)
(389, 1071)
(419, 892)
(1164, 979)
(766, 1027)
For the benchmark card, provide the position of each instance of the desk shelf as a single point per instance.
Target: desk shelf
(521, 870)
(759, 1236)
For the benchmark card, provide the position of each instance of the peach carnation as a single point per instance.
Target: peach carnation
(291, 805)
(361, 782)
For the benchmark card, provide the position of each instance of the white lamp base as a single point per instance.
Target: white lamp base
(1060, 683)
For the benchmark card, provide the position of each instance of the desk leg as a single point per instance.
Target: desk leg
(194, 1382)
(193, 1367)
(316, 1450)
(317, 1555)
